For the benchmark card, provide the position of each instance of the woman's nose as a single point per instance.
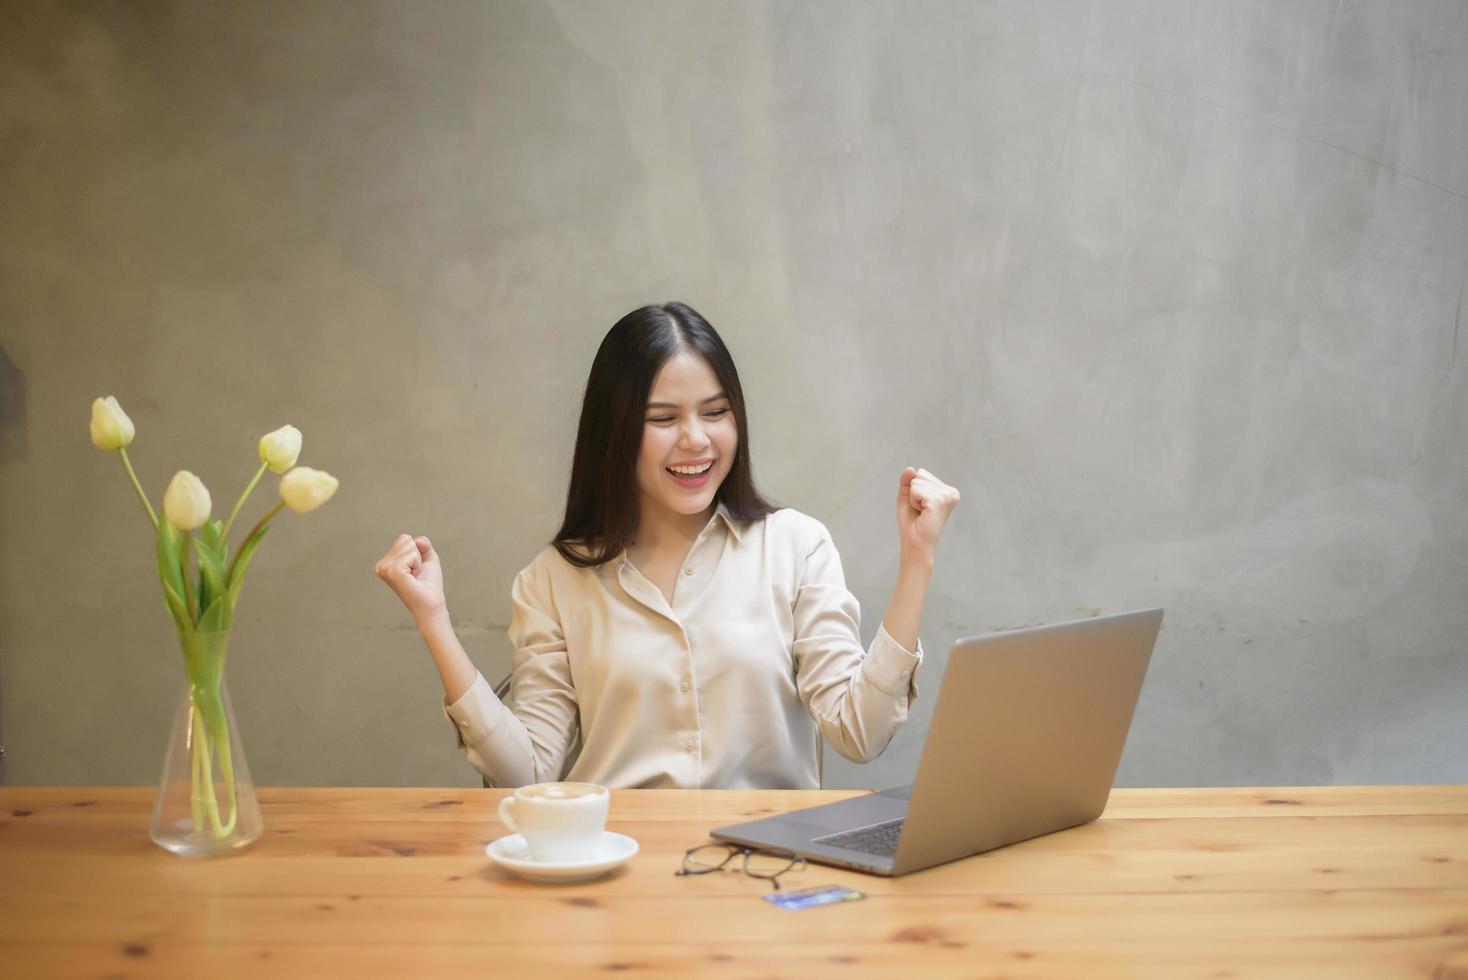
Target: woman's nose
(694, 435)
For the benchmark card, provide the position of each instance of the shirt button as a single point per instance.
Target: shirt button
(906, 674)
(683, 687)
(688, 746)
(688, 570)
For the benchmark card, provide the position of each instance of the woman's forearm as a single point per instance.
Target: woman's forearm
(905, 610)
(454, 666)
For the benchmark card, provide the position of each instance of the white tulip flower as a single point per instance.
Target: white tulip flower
(111, 428)
(280, 449)
(186, 502)
(304, 489)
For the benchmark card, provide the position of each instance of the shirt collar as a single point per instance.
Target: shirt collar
(729, 521)
(720, 512)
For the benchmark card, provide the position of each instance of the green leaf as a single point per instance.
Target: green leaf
(169, 571)
(175, 604)
(216, 617)
(211, 575)
(242, 564)
(191, 596)
(212, 535)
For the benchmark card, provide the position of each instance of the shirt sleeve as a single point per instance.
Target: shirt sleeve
(528, 741)
(858, 700)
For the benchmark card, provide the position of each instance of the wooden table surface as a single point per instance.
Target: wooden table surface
(1297, 882)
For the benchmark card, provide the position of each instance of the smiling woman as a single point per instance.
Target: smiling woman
(663, 393)
(703, 427)
(680, 630)
(690, 473)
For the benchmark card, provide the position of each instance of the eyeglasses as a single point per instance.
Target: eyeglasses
(761, 862)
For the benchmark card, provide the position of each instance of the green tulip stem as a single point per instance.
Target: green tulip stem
(211, 737)
(229, 576)
(183, 555)
(127, 465)
(226, 767)
(211, 803)
(196, 783)
(241, 502)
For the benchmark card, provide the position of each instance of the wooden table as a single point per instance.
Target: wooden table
(1343, 881)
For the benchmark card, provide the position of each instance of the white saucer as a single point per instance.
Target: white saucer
(513, 853)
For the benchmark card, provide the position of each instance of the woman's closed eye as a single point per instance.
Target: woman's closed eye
(709, 415)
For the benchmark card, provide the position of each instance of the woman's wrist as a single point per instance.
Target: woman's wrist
(905, 611)
(436, 620)
(454, 666)
(916, 564)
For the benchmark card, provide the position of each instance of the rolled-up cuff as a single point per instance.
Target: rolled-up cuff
(476, 714)
(891, 667)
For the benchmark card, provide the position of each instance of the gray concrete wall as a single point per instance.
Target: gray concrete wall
(1171, 291)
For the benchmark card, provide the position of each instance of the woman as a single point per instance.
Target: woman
(680, 631)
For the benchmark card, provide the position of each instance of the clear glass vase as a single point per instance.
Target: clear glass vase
(206, 800)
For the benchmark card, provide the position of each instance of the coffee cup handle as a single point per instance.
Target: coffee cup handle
(507, 813)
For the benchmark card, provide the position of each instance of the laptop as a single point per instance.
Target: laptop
(1025, 741)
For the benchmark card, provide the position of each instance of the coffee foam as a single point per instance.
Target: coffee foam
(561, 791)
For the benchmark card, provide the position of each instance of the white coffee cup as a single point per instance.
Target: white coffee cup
(559, 821)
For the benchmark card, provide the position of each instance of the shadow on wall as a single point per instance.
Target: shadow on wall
(12, 418)
(12, 449)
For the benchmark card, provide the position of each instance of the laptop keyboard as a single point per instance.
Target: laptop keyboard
(879, 838)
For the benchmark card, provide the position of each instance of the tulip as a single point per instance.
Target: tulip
(111, 428)
(186, 501)
(280, 449)
(304, 489)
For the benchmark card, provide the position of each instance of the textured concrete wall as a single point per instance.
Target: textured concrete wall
(1171, 291)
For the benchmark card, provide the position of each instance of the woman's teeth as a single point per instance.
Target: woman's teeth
(689, 471)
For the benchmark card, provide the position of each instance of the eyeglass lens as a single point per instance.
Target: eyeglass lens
(763, 863)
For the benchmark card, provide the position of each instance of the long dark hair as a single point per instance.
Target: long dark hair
(603, 506)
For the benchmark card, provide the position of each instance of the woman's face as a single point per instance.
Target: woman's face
(689, 420)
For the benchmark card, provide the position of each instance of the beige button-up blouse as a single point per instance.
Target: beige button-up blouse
(730, 686)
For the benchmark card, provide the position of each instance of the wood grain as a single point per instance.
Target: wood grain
(1337, 881)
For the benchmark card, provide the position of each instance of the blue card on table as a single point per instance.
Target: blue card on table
(809, 898)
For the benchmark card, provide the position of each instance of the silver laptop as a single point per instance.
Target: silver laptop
(1025, 741)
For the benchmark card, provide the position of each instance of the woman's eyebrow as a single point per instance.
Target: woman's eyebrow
(671, 405)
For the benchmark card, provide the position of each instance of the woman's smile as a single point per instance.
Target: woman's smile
(690, 442)
(691, 477)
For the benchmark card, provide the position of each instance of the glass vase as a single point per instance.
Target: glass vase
(206, 800)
